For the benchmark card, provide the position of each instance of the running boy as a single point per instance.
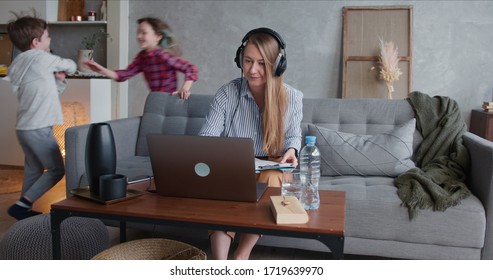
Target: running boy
(37, 77)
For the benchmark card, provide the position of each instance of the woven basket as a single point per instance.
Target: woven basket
(152, 249)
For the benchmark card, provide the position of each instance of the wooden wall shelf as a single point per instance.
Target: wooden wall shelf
(84, 22)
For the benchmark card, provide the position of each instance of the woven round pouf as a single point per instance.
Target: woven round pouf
(152, 249)
(30, 239)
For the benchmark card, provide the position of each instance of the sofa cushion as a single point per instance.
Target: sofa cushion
(135, 168)
(168, 114)
(374, 211)
(358, 116)
(385, 154)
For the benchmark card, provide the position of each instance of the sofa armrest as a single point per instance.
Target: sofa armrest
(125, 132)
(480, 182)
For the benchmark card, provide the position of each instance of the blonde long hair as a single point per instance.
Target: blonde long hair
(275, 97)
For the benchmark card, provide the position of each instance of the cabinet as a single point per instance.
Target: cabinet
(11, 152)
(94, 95)
(482, 124)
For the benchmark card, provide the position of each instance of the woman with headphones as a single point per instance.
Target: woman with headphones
(260, 106)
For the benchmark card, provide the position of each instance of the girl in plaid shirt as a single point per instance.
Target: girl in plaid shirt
(159, 60)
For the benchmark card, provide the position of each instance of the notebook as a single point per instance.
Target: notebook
(204, 167)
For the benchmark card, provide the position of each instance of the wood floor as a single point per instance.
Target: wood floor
(57, 193)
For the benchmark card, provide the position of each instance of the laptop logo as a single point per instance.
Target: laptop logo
(202, 169)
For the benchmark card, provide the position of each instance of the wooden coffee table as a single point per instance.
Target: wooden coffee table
(326, 224)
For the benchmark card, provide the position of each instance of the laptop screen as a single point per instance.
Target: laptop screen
(203, 167)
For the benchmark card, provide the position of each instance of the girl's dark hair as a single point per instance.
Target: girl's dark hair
(23, 30)
(168, 40)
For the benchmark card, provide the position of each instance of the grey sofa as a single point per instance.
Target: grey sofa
(376, 222)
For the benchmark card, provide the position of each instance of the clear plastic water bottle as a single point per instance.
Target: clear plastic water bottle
(310, 174)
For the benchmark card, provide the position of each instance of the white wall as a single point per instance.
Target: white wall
(10, 150)
(118, 56)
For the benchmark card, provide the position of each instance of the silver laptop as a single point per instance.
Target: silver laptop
(204, 167)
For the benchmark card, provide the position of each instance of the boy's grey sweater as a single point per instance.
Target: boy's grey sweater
(33, 80)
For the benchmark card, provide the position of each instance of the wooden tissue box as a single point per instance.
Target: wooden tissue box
(288, 210)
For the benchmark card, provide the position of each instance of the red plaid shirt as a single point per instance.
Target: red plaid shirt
(159, 68)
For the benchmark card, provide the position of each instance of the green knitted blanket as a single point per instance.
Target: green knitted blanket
(442, 158)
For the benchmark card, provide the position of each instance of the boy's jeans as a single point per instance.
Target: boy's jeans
(43, 162)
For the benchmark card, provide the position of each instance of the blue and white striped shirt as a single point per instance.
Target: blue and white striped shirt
(234, 113)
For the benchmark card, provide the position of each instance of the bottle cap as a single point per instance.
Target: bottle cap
(310, 139)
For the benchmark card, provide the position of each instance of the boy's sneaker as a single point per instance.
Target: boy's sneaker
(20, 213)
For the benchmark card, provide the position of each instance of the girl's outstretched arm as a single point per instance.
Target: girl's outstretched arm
(96, 67)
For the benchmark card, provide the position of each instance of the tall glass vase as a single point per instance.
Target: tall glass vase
(100, 154)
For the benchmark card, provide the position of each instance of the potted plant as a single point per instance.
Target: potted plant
(90, 43)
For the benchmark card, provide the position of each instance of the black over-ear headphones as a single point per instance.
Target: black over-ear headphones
(281, 63)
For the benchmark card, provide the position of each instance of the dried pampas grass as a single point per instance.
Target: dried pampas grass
(389, 65)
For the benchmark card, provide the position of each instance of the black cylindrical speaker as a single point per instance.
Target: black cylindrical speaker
(100, 154)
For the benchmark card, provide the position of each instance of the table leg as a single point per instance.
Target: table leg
(123, 231)
(335, 244)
